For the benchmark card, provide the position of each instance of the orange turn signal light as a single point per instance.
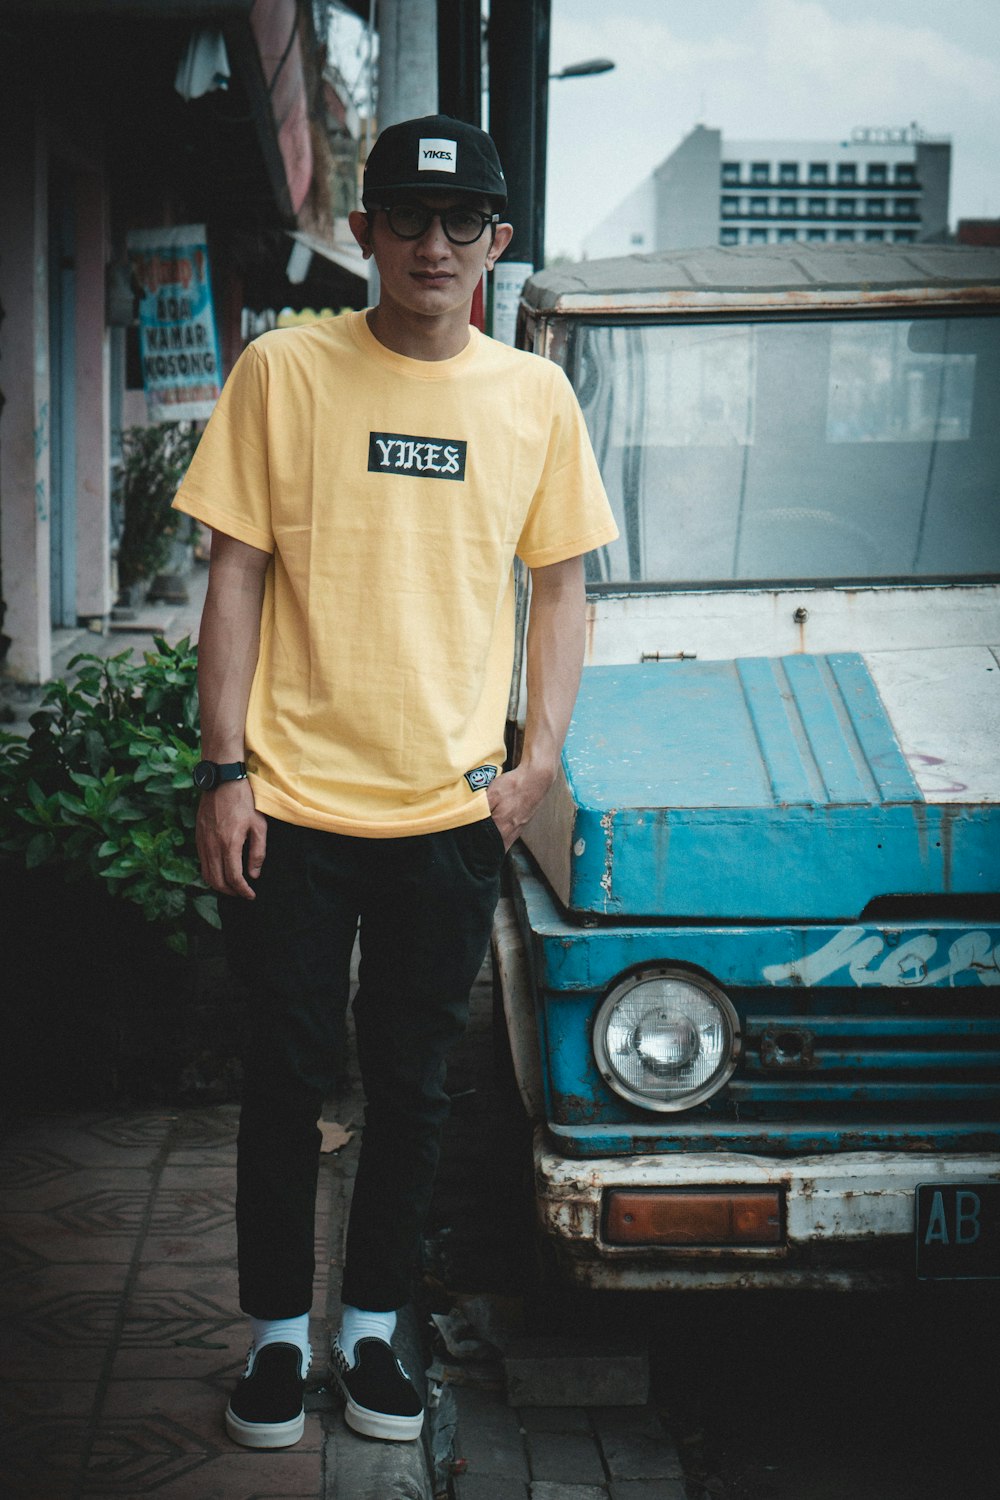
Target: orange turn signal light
(678, 1216)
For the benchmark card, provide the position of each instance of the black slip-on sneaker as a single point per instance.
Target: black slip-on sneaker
(265, 1410)
(382, 1401)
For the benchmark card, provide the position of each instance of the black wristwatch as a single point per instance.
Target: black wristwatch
(208, 774)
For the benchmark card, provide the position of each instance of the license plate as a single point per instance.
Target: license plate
(958, 1230)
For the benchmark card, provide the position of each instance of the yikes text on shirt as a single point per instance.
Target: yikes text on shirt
(423, 457)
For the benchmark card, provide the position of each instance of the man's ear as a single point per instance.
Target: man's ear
(501, 239)
(360, 229)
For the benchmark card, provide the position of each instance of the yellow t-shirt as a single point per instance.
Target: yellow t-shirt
(393, 494)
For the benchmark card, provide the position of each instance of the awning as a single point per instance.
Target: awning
(344, 252)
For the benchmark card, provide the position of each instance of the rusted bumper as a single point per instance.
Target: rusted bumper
(848, 1218)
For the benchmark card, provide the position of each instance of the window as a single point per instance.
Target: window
(788, 171)
(809, 449)
(906, 172)
(845, 208)
(905, 236)
(847, 173)
(730, 204)
(815, 234)
(757, 237)
(875, 208)
(760, 171)
(730, 173)
(729, 237)
(906, 208)
(758, 205)
(844, 236)
(877, 172)
(817, 208)
(874, 234)
(637, 239)
(786, 236)
(818, 172)
(787, 205)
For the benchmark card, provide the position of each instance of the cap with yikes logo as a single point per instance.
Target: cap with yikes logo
(434, 152)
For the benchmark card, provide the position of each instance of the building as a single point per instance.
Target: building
(878, 186)
(119, 116)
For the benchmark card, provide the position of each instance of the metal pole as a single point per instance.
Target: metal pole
(460, 59)
(518, 52)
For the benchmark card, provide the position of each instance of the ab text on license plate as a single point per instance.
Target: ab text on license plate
(958, 1230)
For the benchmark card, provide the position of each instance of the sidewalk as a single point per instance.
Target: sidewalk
(123, 1337)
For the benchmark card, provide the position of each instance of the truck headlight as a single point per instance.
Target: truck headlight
(666, 1039)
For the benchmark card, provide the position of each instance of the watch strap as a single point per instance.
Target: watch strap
(234, 770)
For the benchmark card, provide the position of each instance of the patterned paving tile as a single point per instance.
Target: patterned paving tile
(132, 1129)
(138, 1455)
(41, 1456)
(72, 1138)
(16, 1257)
(209, 1247)
(162, 1319)
(43, 1437)
(287, 1475)
(39, 1238)
(208, 1129)
(68, 1194)
(62, 1320)
(28, 1166)
(156, 1407)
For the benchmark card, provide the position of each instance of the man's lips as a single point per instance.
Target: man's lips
(432, 278)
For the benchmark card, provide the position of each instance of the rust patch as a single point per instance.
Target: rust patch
(787, 1047)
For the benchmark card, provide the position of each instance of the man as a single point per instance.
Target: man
(368, 480)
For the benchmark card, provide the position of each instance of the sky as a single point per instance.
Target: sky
(764, 69)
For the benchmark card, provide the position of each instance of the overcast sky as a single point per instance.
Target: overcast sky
(796, 69)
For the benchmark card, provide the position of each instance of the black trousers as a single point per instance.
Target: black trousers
(425, 906)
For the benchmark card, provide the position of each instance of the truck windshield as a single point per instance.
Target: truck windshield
(799, 451)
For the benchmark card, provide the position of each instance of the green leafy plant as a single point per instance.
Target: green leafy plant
(101, 788)
(154, 461)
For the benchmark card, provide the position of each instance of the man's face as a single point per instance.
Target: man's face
(430, 275)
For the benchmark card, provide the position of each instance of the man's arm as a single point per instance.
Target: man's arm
(228, 643)
(556, 630)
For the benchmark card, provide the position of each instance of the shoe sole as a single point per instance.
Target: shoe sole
(380, 1424)
(264, 1434)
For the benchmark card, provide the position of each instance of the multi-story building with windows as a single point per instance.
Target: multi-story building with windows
(878, 186)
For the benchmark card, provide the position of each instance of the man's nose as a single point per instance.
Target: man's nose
(434, 241)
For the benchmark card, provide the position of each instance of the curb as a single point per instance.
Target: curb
(369, 1469)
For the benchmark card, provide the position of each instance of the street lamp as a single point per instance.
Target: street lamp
(585, 69)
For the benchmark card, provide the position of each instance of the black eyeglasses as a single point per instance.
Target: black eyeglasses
(462, 226)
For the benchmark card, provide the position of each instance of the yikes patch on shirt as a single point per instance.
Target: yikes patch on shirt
(422, 457)
(480, 778)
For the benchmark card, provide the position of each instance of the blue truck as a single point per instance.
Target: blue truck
(749, 949)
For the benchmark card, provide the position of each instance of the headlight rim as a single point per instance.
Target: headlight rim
(623, 986)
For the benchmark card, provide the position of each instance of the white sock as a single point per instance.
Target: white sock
(356, 1323)
(283, 1331)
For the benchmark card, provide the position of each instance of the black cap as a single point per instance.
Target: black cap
(434, 152)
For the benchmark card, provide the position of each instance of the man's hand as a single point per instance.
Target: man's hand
(227, 823)
(555, 657)
(514, 797)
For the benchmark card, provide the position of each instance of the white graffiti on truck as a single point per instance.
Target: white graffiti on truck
(873, 958)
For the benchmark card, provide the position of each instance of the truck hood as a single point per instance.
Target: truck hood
(794, 788)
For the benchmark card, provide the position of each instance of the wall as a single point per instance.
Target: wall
(688, 192)
(24, 372)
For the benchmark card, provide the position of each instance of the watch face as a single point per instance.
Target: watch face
(204, 775)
